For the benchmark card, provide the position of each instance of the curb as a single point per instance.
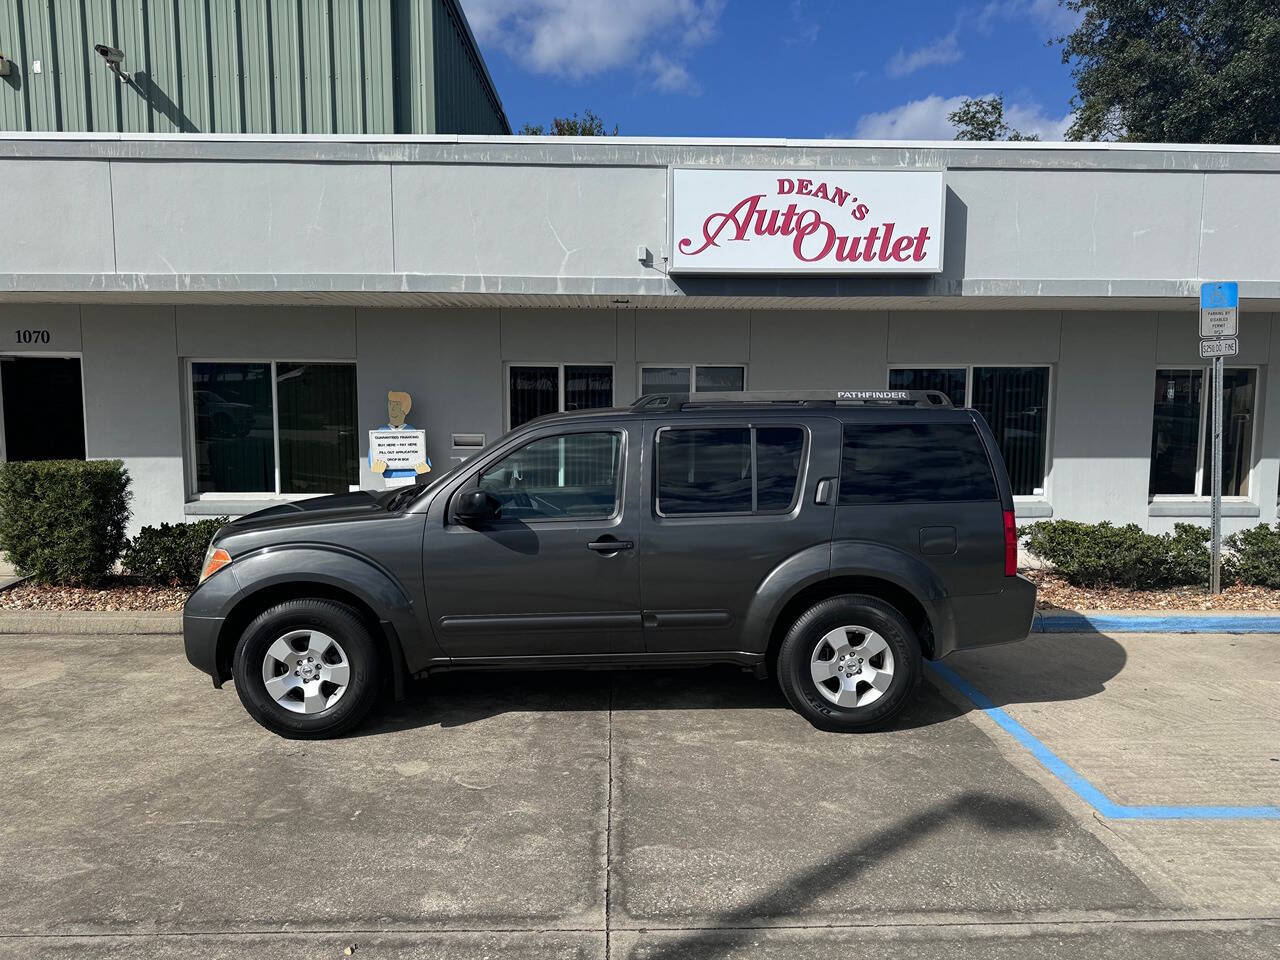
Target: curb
(1101, 622)
(79, 622)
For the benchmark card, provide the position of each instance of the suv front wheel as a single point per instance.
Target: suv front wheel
(307, 669)
(849, 663)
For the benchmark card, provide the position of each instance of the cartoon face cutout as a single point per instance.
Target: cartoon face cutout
(399, 404)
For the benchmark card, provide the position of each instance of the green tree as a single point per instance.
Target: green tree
(1175, 71)
(982, 118)
(588, 125)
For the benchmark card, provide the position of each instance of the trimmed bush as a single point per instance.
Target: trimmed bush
(1253, 557)
(1099, 554)
(170, 555)
(63, 521)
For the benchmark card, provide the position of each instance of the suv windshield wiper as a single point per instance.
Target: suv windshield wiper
(401, 497)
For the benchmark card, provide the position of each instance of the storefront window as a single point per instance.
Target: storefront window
(1181, 434)
(703, 378)
(1013, 400)
(534, 390)
(238, 427)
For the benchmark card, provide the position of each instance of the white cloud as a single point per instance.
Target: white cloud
(670, 76)
(926, 119)
(1048, 15)
(941, 51)
(581, 38)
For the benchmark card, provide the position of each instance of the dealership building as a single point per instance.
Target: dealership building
(228, 313)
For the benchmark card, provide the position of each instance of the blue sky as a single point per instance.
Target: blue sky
(777, 68)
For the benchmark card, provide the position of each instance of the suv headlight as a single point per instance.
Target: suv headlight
(215, 558)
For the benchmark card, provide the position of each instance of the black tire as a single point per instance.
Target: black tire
(327, 617)
(801, 644)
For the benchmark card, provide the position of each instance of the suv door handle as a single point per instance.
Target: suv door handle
(609, 545)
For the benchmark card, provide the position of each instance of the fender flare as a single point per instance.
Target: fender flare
(342, 570)
(848, 558)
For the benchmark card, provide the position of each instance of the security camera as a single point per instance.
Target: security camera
(113, 56)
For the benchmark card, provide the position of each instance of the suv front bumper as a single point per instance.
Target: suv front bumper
(202, 619)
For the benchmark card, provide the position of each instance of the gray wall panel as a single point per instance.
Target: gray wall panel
(252, 218)
(455, 382)
(267, 333)
(569, 336)
(836, 349)
(702, 336)
(1005, 336)
(1101, 418)
(133, 406)
(57, 217)
(526, 220)
(1068, 223)
(1241, 234)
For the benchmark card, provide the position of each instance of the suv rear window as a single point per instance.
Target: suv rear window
(914, 463)
(704, 470)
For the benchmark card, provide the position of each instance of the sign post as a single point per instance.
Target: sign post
(1219, 312)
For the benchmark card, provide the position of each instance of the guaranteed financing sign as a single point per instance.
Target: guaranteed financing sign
(807, 221)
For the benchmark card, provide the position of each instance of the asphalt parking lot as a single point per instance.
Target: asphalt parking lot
(650, 814)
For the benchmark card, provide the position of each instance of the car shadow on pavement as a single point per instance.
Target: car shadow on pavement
(736, 929)
(1053, 667)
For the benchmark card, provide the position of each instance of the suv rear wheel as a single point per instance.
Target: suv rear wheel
(307, 669)
(849, 663)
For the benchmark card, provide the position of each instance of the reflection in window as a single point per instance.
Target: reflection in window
(679, 379)
(534, 390)
(1175, 434)
(704, 471)
(1182, 432)
(914, 463)
(708, 470)
(1013, 400)
(234, 429)
(778, 454)
(574, 476)
(318, 448)
(1015, 403)
(949, 380)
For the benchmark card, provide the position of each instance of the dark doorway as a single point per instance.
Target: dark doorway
(43, 408)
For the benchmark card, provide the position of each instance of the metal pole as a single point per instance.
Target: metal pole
(1215, 573)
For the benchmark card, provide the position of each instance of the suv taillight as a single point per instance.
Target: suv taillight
(1010, 545)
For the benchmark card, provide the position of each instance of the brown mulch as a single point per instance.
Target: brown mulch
(1054, 593)
(117, 593)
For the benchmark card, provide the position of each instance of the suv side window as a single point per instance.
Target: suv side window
(914, 463)
(573, 476)
(716, 470)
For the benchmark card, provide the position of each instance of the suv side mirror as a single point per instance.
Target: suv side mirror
(477, 506)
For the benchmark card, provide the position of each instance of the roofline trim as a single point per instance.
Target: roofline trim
(780, 143)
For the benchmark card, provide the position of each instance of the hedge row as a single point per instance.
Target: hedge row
(1100, 554)
(64, 522)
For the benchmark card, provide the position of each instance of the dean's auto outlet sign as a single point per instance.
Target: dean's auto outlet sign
(806, 221)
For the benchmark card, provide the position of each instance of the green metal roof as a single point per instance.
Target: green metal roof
(245, 66)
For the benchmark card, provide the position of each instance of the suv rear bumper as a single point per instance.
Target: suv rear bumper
(993, 618)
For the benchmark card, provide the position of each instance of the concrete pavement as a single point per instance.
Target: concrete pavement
(639, 814)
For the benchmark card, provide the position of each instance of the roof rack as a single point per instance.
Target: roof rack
(814, 398)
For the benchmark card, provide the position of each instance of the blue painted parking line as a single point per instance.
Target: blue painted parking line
(1137, 623)
(1085, 790)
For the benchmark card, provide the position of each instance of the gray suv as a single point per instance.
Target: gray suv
(832, 539)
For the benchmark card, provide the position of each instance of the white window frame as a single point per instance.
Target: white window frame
(693, 373)
(968, 369)
(560, 365)
(1206, 405)
(188, 398)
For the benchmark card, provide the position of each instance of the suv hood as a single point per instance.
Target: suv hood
(329, 509)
